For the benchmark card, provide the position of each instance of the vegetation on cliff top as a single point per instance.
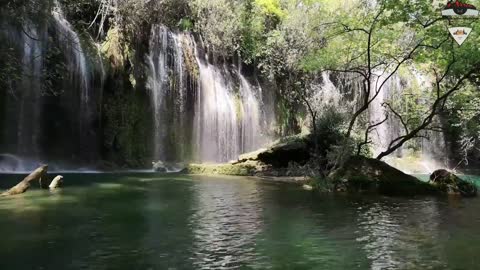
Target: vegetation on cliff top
(289, 43)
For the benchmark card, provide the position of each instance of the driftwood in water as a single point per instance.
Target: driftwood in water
(56, 182)
(23, 186)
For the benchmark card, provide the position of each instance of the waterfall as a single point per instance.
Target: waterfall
(29, 115)
(158, 79)
(251, 116)
(344, 92)
(229, 119)
(432, 153)
(329, 94)
(79, 84)
(75, 56)
(50, 113)
(383, 134)
(217, 123)
(172, 93)
(227, 113)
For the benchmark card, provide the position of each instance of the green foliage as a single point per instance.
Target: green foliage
(329, 141)
(270, 8)
(219, 23)
(290, 41)
(10, 70)
(185, 24)
(329, 127)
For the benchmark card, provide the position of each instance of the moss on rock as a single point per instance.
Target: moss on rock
(452, 184)
(371, 175)
(221, 169)
(282, 152)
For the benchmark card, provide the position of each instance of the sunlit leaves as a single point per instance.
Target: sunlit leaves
(271, 7)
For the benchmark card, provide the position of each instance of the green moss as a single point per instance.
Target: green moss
(185, 24)
(221, 169)
(127, 128)
(190, 61)
(238, 106)
(365, 174)
(112, 48)
(282, 152)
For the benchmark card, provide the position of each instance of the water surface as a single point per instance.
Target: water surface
(149, 221)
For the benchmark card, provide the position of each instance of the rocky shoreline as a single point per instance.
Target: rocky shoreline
(283, 161)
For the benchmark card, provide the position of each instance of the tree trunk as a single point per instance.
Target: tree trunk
(23, 186)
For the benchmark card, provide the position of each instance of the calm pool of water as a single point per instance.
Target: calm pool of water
(146, 221)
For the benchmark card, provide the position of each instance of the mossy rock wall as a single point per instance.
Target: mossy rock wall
(126, 124)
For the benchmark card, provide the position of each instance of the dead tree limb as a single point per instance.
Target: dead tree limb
(367, 132)
(25, 184)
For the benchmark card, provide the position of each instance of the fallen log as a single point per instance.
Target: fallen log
(56, 182)
(23, 186)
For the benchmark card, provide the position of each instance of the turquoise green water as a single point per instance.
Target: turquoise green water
(143, 221)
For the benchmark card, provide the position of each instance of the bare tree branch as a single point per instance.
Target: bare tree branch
(398, 115)
(434, 110)
(367, 132)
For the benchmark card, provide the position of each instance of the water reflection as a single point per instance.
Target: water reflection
(400, 235)
(148, 222)
(225, 224)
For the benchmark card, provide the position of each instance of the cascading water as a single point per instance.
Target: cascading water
(29, 128)
(49, 117)
(326, 93)
(226, 109)
(77, 63)
(251, 116)
(228, 116)
(172, 93)
(23, 106)
(344, 93)
(216, 119)
(432, 153)
(158, 80)
(79, 73)
(383, 134)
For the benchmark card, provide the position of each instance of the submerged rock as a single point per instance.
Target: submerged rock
(307, 187)
(159, 166)
(361, 174)
(452, 184)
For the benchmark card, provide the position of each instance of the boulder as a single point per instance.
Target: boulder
(361, 174)
(282, 152)
(307, 187)
(452, 184)
(159, 166)
(175, 167)
(56, 182)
